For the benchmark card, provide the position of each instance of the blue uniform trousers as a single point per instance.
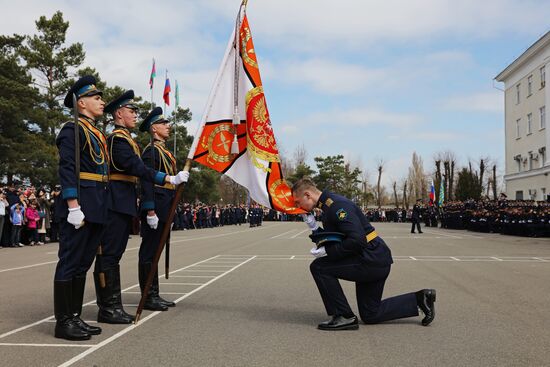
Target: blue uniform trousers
(369, 285)
(77, 248)
(115, 240)
(149, 242)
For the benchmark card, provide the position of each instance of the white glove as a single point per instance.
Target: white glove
(153, 221)
(309, 219)
(76, 217)
(182, 176)
(318, 252)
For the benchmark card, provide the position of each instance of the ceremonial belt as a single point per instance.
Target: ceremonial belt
(168, 186)
(371, 236)
(125, 178)
(93, 177)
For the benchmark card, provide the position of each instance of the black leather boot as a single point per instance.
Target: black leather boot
(65, 327)
(156, 290)
(109, 299)
(425, 299)
(79, 282)
(152, 302)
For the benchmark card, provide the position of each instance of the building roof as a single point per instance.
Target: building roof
(524, 57)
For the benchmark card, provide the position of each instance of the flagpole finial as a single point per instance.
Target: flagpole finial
(245, 2)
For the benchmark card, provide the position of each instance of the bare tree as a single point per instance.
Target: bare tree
(405, 198)
(380, 168)
(417, 179)
(395, 194)
(494, 181)
(300, 155)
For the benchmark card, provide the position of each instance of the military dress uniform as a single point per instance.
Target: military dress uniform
(362, 257)
(158, 198)
(126, 170)
(415, 218)
(77, 247)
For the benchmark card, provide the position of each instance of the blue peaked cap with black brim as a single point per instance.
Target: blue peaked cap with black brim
(124, 100)
(154, 117)
(321, 238)
(83, 87)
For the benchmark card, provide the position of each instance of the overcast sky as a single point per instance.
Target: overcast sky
(362, 78)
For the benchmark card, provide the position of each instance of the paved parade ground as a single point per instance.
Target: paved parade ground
(245, 297)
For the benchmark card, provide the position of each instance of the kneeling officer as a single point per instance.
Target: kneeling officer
(358, 255)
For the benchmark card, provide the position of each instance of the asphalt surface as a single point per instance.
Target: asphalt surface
(245, 297)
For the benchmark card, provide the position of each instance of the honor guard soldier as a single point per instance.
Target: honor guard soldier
(82, 212)
(360, 256)
(155, 202)
(126, 169)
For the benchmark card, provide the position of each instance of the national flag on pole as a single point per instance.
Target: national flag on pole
(177, 96)
(153, 75)
(235, 136)
(441, 193)
(432, 193)
(167, 90)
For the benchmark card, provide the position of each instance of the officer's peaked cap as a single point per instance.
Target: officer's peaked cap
(124, 100)
(84, 87)
(154, 117)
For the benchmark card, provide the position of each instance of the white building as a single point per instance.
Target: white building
(527, 133)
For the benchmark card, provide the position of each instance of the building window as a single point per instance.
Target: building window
(517, 93)
(530, 155)
(542, 114)
(543, 193)
(529, 85)
(519, 195)
(517, 128)
(529, 123)
(542, 77)
(517, 158)
(542, 153)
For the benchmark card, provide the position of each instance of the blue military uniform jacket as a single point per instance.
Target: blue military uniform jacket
(126, 167)
(93, 170)
(153, 196)
(342, 215)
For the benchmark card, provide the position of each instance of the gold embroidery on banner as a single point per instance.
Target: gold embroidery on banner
(219, 150)
(260, 140)
(245, 37)
(281, 197)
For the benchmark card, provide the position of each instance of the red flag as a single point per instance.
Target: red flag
(167, 90)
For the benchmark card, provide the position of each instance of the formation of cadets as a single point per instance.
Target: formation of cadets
(209, 216)
(513, 217)
(509, 217)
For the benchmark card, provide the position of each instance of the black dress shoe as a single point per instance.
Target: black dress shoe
(425, 300)
(166, 303)
(339, 323)
(69, 330)
(92, 330)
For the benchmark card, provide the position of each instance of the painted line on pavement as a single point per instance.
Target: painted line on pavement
(299, 233)
(281, 234)
(28, 266)
(47, 345)
(130, 328)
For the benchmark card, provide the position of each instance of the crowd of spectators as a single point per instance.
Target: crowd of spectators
(27, 216)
